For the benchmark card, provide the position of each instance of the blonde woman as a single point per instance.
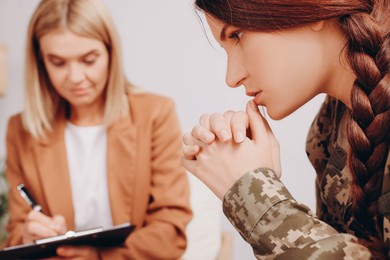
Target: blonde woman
(90, 149)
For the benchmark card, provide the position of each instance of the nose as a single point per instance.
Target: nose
(76, 73)
(235, 73)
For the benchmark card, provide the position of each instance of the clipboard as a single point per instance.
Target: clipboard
(46, 247)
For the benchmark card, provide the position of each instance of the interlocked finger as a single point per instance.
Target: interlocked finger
(191, 146)
(204, 121)
(239, 124)
(220, 126)
(202, 134)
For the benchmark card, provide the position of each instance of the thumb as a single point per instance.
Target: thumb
(60, 222)
(261, 131)
(189, 165)
(258, 125)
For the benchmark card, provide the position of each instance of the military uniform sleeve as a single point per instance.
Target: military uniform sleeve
(277, 227)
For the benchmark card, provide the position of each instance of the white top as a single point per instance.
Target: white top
(86, 149)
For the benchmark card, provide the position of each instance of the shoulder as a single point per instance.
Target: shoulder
(149, 104)
(153, 110)
(324, 118)
(16, 133)
(15, 123)
(139, 98)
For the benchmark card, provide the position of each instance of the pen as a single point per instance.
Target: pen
(28, 198)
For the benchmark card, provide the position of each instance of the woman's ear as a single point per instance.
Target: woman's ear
(318, 26)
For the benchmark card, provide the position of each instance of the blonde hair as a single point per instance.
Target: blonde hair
(89, 18)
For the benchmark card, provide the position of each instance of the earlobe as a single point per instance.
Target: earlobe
(318, 26)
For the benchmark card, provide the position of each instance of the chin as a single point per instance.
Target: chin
(81, 100)
(278, 114)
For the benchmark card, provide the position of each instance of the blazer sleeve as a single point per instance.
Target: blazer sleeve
(163, 235)
(276, 226)
(18, 209)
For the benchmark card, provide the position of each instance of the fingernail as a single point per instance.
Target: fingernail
(207, 137)
(225, 135)
(239, 137)
(194, 148)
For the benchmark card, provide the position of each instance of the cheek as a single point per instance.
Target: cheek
(99, 72)
(289, 77)
(56, 77)
(290, 68)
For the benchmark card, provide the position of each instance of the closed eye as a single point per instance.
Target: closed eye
(90, 58)
(89, 61)
(57, 62)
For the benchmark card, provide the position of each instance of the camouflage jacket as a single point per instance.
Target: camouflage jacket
(277, 226)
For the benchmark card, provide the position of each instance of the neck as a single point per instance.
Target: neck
(87, 115)
(342, 78)
(341, 85)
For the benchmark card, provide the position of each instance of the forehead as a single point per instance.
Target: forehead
(217, 27)
(65, 43)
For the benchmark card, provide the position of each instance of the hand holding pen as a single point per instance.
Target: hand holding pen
(38, 225)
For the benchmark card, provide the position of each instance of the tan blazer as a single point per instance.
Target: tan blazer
(146, 182)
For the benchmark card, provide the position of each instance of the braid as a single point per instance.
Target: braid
(369, 123)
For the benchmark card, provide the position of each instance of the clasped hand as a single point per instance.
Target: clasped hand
(222, 148)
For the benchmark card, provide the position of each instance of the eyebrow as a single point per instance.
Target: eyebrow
(96, 52)
(222, 35)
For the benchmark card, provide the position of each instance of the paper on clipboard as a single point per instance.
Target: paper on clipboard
(46, 247)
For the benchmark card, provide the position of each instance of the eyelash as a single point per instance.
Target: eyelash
(58, 64)
(89, 62)
(236, 35)
(61, 64)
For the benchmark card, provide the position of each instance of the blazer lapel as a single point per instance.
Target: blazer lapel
(50, 156)
(51, 159)
(122, 143)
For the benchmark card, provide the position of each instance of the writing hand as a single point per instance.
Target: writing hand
(38, 225)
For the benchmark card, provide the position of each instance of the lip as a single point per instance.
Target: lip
(257, 98)
(79, 91)
(252, 94)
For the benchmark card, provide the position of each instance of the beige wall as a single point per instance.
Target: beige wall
(3, 68)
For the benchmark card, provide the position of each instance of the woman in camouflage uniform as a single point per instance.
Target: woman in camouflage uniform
(285, 52)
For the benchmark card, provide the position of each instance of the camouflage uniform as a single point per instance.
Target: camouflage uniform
(278, 227)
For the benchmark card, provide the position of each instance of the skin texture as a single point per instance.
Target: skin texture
(220, 164)
(39, 225)
(282, 71)
(79, 75)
